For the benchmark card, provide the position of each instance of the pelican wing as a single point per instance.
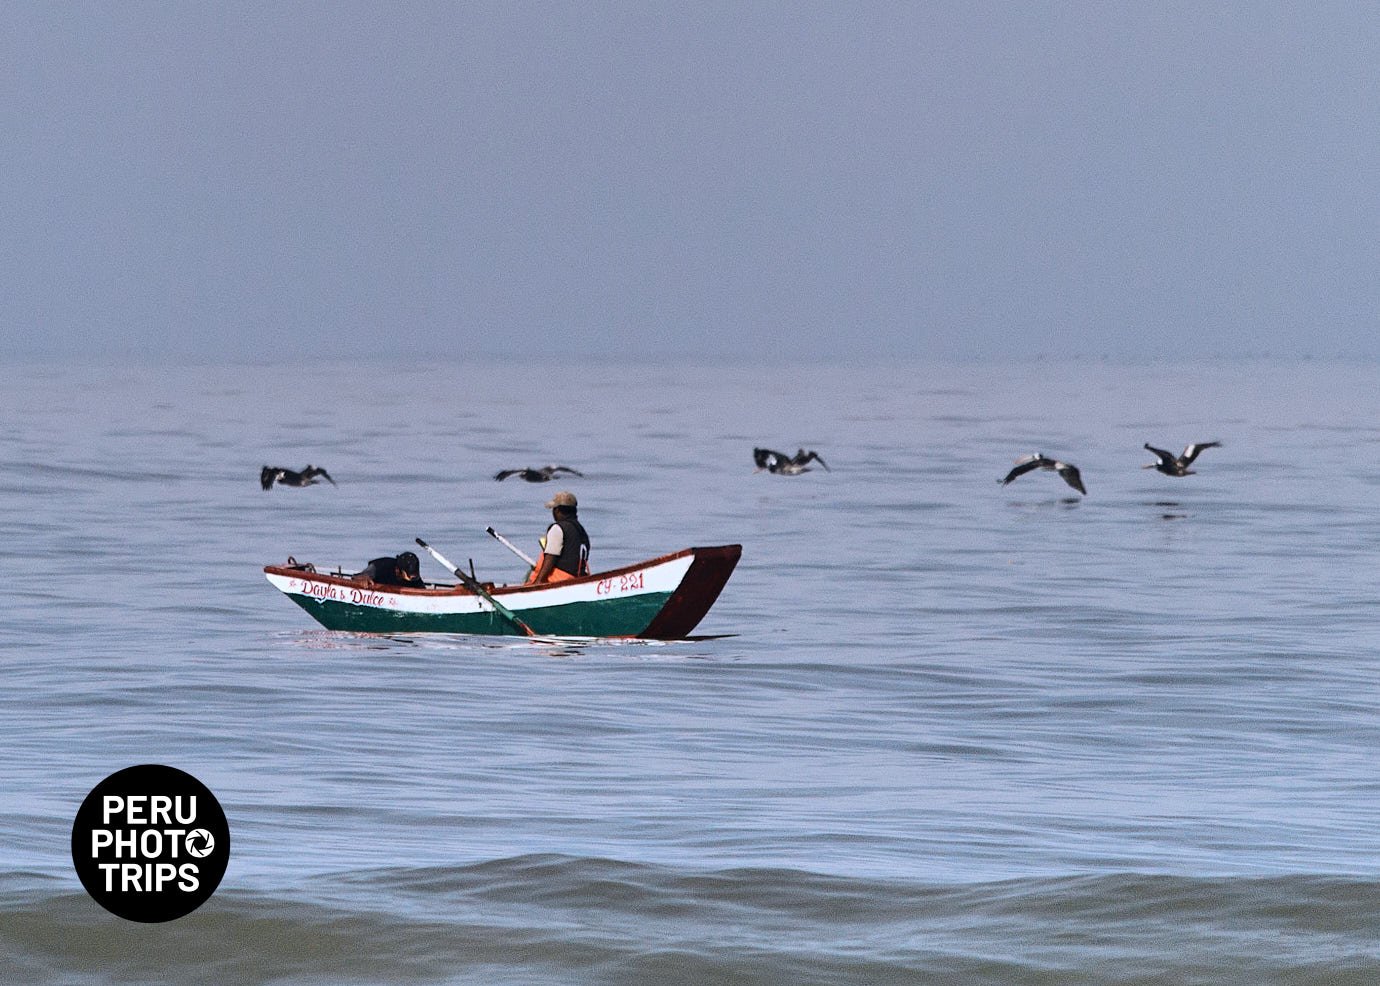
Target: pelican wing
(1191, 452)
(1071, 476)
(768, 459)
(1160, 453)
(1025, 464)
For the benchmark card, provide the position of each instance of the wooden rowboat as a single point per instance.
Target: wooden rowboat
(661, 599)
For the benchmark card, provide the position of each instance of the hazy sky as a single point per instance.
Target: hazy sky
(950, 179)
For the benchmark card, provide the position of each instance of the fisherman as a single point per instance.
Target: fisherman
(565, 549)
(403, 570)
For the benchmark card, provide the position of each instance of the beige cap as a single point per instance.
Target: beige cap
(564, 498)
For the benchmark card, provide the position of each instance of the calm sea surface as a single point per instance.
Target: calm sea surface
(957, 732)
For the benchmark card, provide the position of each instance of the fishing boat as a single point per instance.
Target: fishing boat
(661, 599)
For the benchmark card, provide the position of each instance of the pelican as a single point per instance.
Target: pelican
(1166, 463)
(287, 477)
(1026, 463)
(787, 465)
(542, 475)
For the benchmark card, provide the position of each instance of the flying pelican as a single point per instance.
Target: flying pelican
(787, 465)
(287, 477)
(541, 475)
(1166, 463)
(1037, 461)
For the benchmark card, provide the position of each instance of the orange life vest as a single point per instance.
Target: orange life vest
(560, 574)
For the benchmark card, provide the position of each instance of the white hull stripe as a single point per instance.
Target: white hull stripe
(663, 577)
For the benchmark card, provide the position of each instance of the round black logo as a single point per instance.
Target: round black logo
(150, 843)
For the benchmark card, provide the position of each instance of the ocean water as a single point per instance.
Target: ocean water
(952, 732)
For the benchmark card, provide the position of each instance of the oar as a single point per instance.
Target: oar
(510, 546)
(469, 583)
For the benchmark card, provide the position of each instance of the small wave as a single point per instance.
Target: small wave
(48, 471)
(558, 919)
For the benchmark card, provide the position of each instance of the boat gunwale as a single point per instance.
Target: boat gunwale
(496, 590)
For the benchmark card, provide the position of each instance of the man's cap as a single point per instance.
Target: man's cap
(564, 498)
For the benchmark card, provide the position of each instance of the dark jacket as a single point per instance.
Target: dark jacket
(574, 556)
(387, 571)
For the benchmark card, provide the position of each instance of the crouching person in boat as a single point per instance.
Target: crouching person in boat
(565, 549)
(403, 570)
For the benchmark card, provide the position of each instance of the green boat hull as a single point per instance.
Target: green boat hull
(618, 618)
